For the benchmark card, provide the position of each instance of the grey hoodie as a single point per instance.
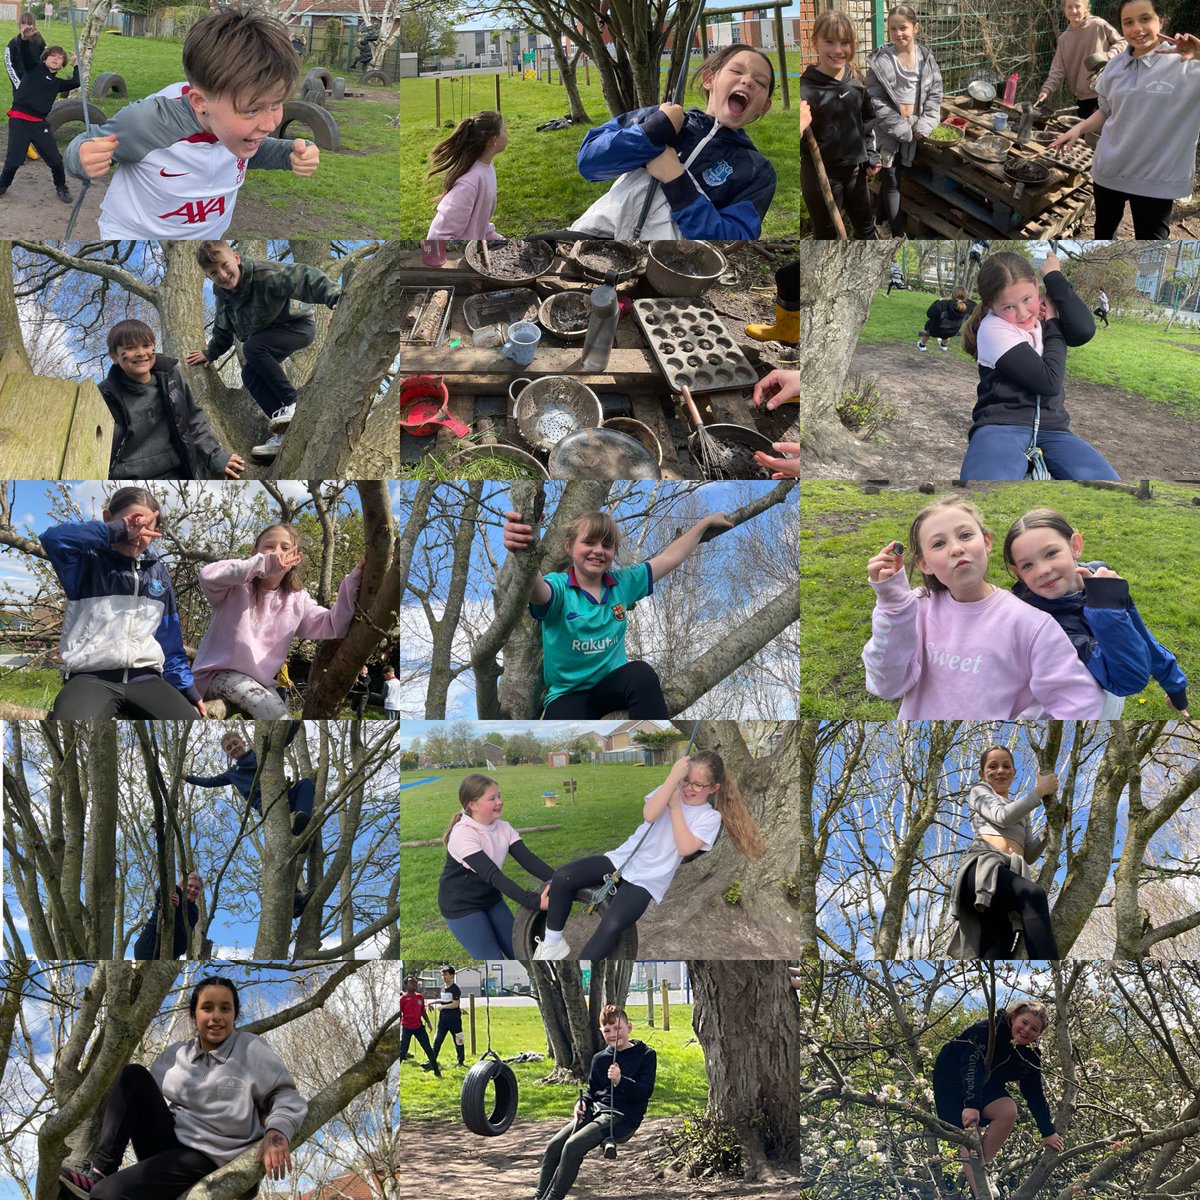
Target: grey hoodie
(226, 1099)
(893, 132)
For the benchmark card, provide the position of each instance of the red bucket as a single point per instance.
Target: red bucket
(423, 400)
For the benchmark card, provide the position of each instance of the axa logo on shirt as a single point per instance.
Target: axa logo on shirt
(952, 662)
(595, 646)
(196, 212)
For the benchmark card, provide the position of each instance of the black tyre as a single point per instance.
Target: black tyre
(318, 75)
(108, 83)
(339, 88)
(314, 93)
(530, 926)
(480, 1117)
(321, 124)
(69, 112)
(374, 77)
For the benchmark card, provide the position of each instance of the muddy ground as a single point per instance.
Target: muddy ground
(933, 394)
(446, 1162)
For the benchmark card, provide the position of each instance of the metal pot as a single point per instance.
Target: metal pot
(551, 408)
(981, 93)
(1026, 174)
(708, 264)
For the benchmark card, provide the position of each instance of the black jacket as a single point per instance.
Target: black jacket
(199, 451)
(944, 319)
(146, 947)
(39, 89)
(1008, 391)
(639, 1065)
(463, 890)
(842, 117)
(21, 56)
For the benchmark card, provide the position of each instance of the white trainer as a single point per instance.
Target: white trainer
(544, 953)
(281, 418)
(270, 448)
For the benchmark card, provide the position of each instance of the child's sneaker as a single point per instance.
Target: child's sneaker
(921, 347)
(300, 822)
(3, 191)
(270, 448)
(942, 345)
(281, 418)
(544, 953)
(79, 1182)
(64, 194)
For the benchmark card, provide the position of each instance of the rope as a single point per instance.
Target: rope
(87, 125)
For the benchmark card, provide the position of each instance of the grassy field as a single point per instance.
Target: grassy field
(1150, 543)
(33, 689)
(681, 1085)
(1133, 355)
(606, 810)
(353, 191)
(538, 186)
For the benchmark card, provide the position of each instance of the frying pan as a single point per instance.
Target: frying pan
(601, 454)
(736, 438)
(1035, 175)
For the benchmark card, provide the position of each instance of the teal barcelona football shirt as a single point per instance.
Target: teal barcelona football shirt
(583, 639)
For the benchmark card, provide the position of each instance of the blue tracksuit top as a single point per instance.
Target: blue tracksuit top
(241, 771)
(121, 613)
(1111, 639)
(724, 194)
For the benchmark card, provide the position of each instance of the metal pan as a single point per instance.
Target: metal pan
(601, 454)
(735, 445)
(1026, 174)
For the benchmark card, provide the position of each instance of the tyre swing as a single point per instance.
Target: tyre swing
(489, 1071)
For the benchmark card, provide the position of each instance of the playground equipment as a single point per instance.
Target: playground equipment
(491, 1071)
(311, 110)
(67, 113)
(51, 428)
(108, 83)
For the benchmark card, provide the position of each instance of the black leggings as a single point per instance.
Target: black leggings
(85, 697)
(20, 135)
(787, 286)
(850, 193)
(889, 199)
(635, 688)
(136, 1112)
(623, 909)
(1151, 216)
(1014, 894)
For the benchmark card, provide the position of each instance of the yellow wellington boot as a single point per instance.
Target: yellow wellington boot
(786, 328)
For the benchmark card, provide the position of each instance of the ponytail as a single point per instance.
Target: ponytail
(471, 788)
(458, 153)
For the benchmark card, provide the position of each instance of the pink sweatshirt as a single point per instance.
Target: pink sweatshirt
(989, 660)
(465, 211)
(254, 639)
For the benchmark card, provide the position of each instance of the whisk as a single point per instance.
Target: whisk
(715, 459)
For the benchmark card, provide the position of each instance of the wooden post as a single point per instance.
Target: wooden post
(783, 75)
(587, 73)
(666, 1007)
(471, 1012)
(650, 1003)
(437, 103)
(498, 91)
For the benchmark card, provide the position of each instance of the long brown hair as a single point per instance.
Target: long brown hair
(997, 272)
(458, 153)
(1035, 518)
(735, 816)
(837, 26)
(469, 790)
(932, 582)
(959, 296)
(291, 582)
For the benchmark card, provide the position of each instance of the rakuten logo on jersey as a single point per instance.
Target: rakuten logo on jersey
(197, 212)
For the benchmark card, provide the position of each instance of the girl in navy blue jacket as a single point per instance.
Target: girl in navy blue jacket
(714, 183)
(122, 646)
(1093, 605)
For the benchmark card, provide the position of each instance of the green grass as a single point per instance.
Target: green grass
(606, 810)
(538, 185)
(1132, 354)
(30, 688)
(841, 527)
(353, 192)
(681, 1084)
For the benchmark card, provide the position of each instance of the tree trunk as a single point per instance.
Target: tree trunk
(279, 862)
(751, 1077)
(570, 1017)
(89, 37)
(10, 321)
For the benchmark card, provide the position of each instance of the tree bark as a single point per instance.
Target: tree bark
(11, 338)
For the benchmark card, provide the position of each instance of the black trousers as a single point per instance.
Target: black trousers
(1151, 216)
(420, 1037)
(1014, 894)
(84, 697)
(1085, 108)
(850, 193)
(263, 374)
(889, 200)
(635, 687)
(22, 134)
(787, 286)
(136, 1112)
(623, 909)
(451, 1030)
(1101, 314)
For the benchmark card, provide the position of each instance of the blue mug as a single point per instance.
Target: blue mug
(523, 338)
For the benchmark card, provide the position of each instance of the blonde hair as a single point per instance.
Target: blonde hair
(591, 527)
(1035, 1008)
(469, 790)
(932, 582)
(836, 26)
(735, 816)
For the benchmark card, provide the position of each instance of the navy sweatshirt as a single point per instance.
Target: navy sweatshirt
(39, 89)
(842, 117)
(639, 1066)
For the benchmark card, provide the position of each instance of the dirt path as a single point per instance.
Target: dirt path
(933, 394)
(446, 1162)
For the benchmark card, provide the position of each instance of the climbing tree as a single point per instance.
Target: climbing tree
(97, 817)
(571, 1012)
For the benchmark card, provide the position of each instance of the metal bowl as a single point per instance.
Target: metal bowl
(549, 409)
(509, 453)
(562, 309)
(602, 454)
(638, 431)
(683, 268)
(532, 260)
(596, 258)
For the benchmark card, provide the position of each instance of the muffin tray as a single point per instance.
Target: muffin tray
(692, 346)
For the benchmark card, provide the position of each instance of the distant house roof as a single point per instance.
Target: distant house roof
(347, 1187)
(627, 726)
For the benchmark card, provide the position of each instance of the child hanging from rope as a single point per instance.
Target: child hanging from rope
(1093, 605)
(620, 1084)
(27, 126)
(465, 208)
(413, 1019)
(582, 612)
(449, 1011)
(259, 608)
(714, 183)
(681, 818)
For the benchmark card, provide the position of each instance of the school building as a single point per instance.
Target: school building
(1165, 271)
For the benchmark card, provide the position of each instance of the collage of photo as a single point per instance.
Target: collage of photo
(439, 755)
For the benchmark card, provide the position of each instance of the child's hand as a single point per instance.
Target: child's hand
(1046, 785)
(777, 388)
(1065, 141)
(1185, 45)
(1086, 573)
(1183, 712)
(579, 1110)
(235, 466)
(73, 60)
(96, 155)
(274, 1154)
(781, 468)
(675, 112)
(715, 521)
(1041, 99)
(174, 899)
(665, 167)
(201, 709)
(1047, 310)
(1052, 263)
(305, 157)
(137, 526)
(195, 358)
(805, 116)
(544, 903)
(614, 1074)
(517, 536)
(874, 168)
(885, 564)
(279, 561)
